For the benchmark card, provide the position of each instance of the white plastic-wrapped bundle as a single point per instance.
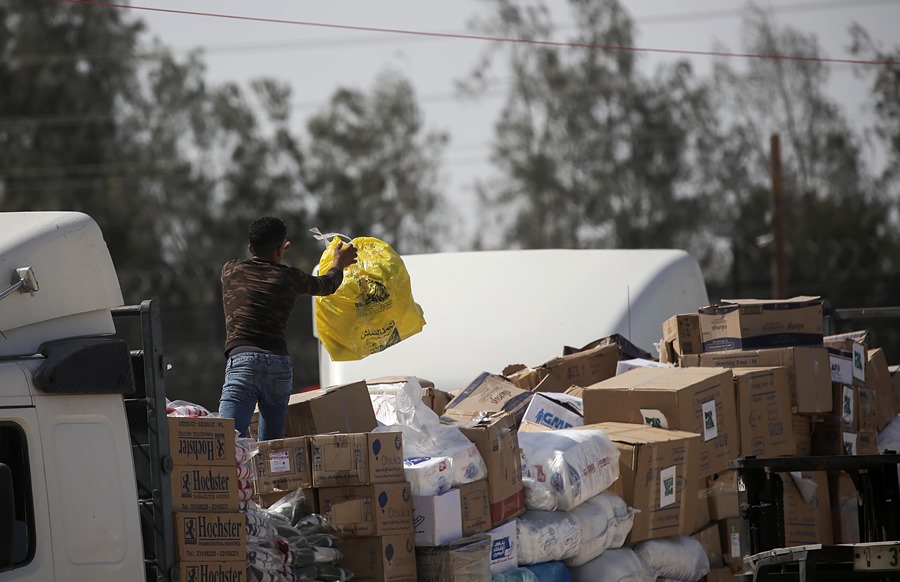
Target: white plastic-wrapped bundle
(678, 557)
(428, 475)
(605, 521)
(618, 565)
(574, 464)
(547, 536)
(425, 437)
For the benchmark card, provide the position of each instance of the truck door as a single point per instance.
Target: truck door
(20, 450)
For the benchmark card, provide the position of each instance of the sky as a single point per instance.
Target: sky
(316, 60)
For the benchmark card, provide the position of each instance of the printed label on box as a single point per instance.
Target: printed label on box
(667, 495)
(710, 424)
(850, 446)
(654, 418)
(279, 462)
(847, 406)
(859, 362)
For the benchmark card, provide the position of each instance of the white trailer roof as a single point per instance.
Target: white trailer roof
(77, 282)
(487, 309)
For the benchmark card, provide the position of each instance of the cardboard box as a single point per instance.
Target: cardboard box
(712, 545)
(208, 489)
(491, 393)
(807, 521)
(830, 437)
(552, 412)
(496, 439)
(878, 378)
(627, 350)
(735, 542)
(895, 382)
(844, 505)
(346, 408)
(210, 537)
(557, 375)
(845, 403)
(437, 400)
(719, 575)
(202, 441)
(203, 571)
(356, 459)
(866, 443)
(504, 548)
(437, 519)
(809, 369)
(658, 476)
(282, 465)
(380, 559)
(848, 366)
(802, 425)
(856, 343)
(722, 495)
(475, 504)
(681, 336)
(697, 400)
(764, 410)
(368, 510)
(465, 560)
(752, 324)
(702, 516)
(867, 412)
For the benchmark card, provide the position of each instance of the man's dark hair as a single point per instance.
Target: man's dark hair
(266, 234)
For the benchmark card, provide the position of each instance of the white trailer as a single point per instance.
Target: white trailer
(487, 309)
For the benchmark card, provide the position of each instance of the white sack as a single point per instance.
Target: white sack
(619, 565)
(547, 536)
(678, 557)
(573, 464)
(605, 522)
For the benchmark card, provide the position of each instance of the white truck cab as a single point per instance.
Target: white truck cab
(70, 506)
(487, 309)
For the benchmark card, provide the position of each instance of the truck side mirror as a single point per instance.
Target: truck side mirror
(7, 519)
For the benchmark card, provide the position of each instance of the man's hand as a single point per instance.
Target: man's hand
(344, 255)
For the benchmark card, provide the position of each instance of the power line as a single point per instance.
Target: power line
(486, 38)
(318, 44)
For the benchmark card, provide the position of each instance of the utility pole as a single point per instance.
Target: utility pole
(779, 255)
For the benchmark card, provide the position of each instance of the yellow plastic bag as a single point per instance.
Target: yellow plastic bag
(373, 308)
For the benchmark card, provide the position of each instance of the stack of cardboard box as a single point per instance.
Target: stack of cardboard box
(348, 474)
(450, 528)
(796, 392)
(362, 492)
(211, 537)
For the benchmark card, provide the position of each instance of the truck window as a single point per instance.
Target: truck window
(14, 454)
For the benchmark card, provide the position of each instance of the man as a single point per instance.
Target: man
(258, 295)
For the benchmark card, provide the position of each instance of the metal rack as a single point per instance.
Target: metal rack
(761, 501)
(148, 426)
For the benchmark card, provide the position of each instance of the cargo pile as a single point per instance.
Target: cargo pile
(600, 465)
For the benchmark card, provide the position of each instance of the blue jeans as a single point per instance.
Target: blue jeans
(255, 378)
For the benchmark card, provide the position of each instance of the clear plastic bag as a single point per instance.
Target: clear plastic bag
(424, 437)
